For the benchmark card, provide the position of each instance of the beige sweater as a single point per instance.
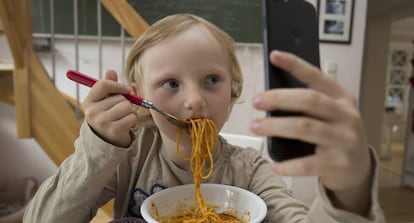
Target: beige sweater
(98, 171)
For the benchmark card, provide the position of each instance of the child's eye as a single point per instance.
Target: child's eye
(212, 79)
(170, 84)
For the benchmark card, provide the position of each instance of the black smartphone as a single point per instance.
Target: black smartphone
(292, 26)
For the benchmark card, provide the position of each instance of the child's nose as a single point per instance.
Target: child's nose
(194, 101)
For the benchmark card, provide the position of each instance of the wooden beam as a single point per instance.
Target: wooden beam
(22, 102)
(17, 24)
(54, 124)
(17, 19)
(126, 15)
(6, 14)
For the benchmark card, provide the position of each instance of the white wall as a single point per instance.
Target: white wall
(347, 57)
(5, 56)
(20, 157)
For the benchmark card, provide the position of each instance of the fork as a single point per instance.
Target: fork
(90, 81)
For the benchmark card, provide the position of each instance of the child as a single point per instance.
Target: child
(188, 67)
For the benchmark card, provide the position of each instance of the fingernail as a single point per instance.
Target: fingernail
(113, 69)
(277, 168)
(257, 99)
(277, 54)
(255, 124)
(274, 167)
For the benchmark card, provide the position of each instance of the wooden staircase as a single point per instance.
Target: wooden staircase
(42, 112)
(6, 83)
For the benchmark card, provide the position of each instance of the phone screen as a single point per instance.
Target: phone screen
(291, 26)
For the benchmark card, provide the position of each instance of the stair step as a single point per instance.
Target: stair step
(6, 68)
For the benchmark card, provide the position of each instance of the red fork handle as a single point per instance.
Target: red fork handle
(90, 81)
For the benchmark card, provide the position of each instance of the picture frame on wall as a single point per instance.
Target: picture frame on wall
(335, 20)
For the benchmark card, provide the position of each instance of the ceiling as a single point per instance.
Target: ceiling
(403, 28)
(394, 8)
(400, 11)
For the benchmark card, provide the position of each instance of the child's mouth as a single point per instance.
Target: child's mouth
(191, 120)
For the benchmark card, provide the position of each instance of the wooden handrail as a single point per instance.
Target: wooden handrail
(72, 102)
(126, 15)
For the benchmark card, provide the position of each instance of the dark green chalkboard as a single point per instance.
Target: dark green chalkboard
(240, 18)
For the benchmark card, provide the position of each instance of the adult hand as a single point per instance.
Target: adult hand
(333, 123)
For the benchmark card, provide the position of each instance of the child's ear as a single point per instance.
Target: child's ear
(134, 89)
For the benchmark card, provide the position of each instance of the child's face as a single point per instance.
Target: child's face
(189, 76)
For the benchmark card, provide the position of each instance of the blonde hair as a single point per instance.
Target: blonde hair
(172, 25)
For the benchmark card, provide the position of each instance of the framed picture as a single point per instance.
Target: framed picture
(335, 20)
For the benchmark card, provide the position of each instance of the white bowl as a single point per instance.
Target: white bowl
(245, 204)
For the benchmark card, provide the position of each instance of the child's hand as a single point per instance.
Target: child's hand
(109, 113)
(342, 158)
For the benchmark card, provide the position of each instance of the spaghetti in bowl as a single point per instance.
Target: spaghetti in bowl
(228, 201)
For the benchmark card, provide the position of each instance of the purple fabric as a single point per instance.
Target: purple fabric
(128, 220)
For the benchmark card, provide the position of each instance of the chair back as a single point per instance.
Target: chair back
(244, 141)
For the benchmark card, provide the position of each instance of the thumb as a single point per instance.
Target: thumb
(111, 74)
